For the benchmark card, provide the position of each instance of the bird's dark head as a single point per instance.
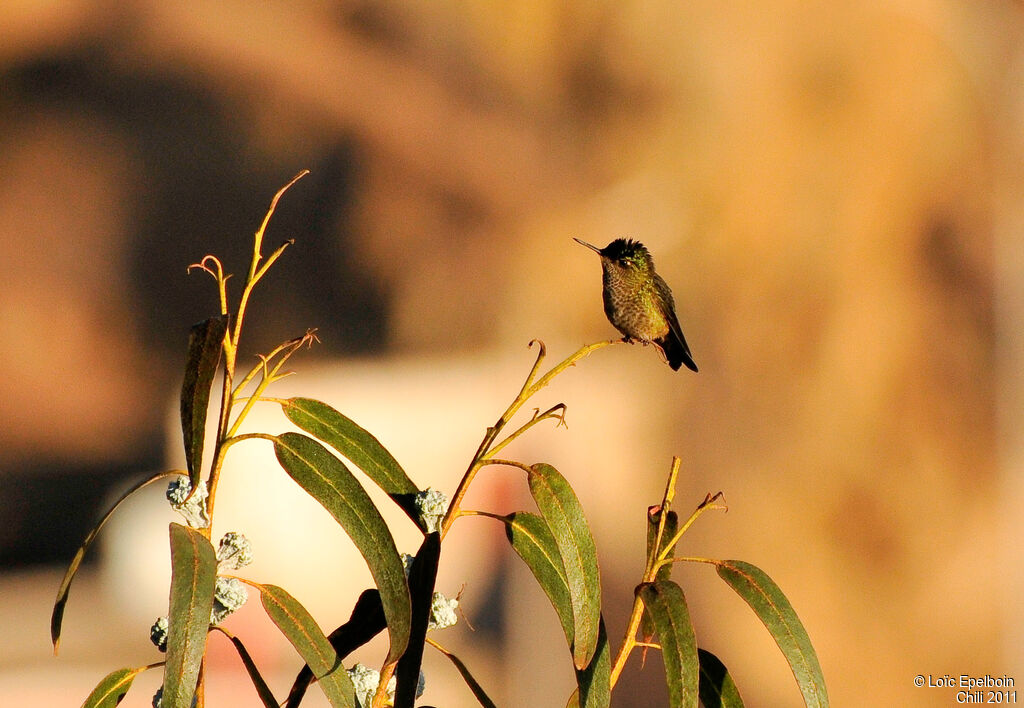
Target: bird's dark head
(624, 254)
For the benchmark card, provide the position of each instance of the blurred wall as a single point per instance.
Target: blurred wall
(825, 185)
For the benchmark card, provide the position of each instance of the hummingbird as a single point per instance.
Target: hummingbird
(638, 302)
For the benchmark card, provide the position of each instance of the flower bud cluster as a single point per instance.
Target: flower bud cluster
(194, 510)
(234, 552)
(431, 505)
(365, 680)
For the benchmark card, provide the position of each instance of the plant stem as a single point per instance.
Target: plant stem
(530, 387)
(539, 417)
(231, 340)
(629, 642)
(707, 504)
(692, 559)
(508, 463)
(269, 375)
(478, 512)
(381, 696)
(656, 560)
(666, 504)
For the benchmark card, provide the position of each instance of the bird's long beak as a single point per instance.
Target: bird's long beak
(592, 247)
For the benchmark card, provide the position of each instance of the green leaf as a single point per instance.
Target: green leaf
(193, 576)
(422, 576)
(474, 686)
(258, 682)
(309, 641)
(365, 623)
(774, 610)
(532, 539)
(355, 444)
(594, 682)
(57, 618)
(564, 515)
(205, 343)
(328, 481)
(665, 603)
(665, 571)
(112, 689)
(717, 689)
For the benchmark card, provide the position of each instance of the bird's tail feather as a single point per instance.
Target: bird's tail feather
(676, 352)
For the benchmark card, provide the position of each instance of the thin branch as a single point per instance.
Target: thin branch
(537, 418)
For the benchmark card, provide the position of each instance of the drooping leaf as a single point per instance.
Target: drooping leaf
(478, 692)
(365, 623)
(328, 481)
(664, 572)
(205, 342)
(57, 618)
(533, 541)
(774, 610)
(112, 689)
(717, 689)
(309, 641)
(355, 444)
(258, 682)
(193, 576)
(593, 684)
(665, 603)
(564, 516)
(422, 576)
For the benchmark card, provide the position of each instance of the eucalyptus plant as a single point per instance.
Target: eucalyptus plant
(554, 541)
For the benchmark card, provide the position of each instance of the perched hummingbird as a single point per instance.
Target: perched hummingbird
(638, 302)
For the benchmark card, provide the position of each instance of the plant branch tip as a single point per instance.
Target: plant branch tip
(310, 338)
(561, 415)
(216, 272)
(296, 178)
(710, 499)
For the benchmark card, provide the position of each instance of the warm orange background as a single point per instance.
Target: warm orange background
(832, 189)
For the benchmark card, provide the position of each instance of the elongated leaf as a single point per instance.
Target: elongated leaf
(717, 689)
(328, 481)
(57, 618)
(205, 343)
(771, 606)
(478, 692)
(594, 682)
(564, 515)
(193, 576)
(532, 539)
(665, 603)
(665, 571)
(258, 682)
(112, 689)
(422, 576)
(309, 641)
(357, 445)
(366, 622)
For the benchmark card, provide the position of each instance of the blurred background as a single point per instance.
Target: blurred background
(832, 189)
